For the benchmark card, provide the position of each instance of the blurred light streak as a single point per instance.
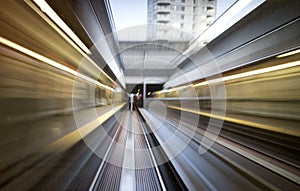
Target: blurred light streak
(60, 32)
(236, 76)
(53, 25)
(51, 62)
(174, 89)
(287, 131)
(251, 73)
(73, 137)
(289, 53)
(51, 13)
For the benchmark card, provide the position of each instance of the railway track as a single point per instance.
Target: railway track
(131, 164)
(132, 161)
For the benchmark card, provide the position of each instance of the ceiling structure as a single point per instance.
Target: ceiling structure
(137, 60)
(157, 61)
(150, 61)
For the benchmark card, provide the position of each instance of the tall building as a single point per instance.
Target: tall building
(188, 16)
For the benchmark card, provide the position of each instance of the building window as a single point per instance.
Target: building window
(182, 8)
(182, 17)
(178, 7)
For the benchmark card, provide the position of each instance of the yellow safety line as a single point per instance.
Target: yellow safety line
(292, 132)
(70, 139)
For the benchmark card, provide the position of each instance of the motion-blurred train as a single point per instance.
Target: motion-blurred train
(43, 71)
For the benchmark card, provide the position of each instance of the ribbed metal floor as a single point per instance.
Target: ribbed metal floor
(146, 178)
(115, 174)
(111, 176)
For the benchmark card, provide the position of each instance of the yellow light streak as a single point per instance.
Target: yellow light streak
(174, 89)
(236, 76)
(51, 62)
(289, 53)
(251, 73)
(242, 122)
(73, 137)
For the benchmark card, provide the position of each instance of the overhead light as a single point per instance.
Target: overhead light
(289, 53)
(55, 18)
(51, 62)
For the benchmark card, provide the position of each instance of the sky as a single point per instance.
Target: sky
(223, 5)
(129, 13)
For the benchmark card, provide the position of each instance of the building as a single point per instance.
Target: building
(188, 16)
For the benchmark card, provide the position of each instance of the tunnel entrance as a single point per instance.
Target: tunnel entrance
(138, 91)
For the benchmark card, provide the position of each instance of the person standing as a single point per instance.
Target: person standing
(131, 100)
